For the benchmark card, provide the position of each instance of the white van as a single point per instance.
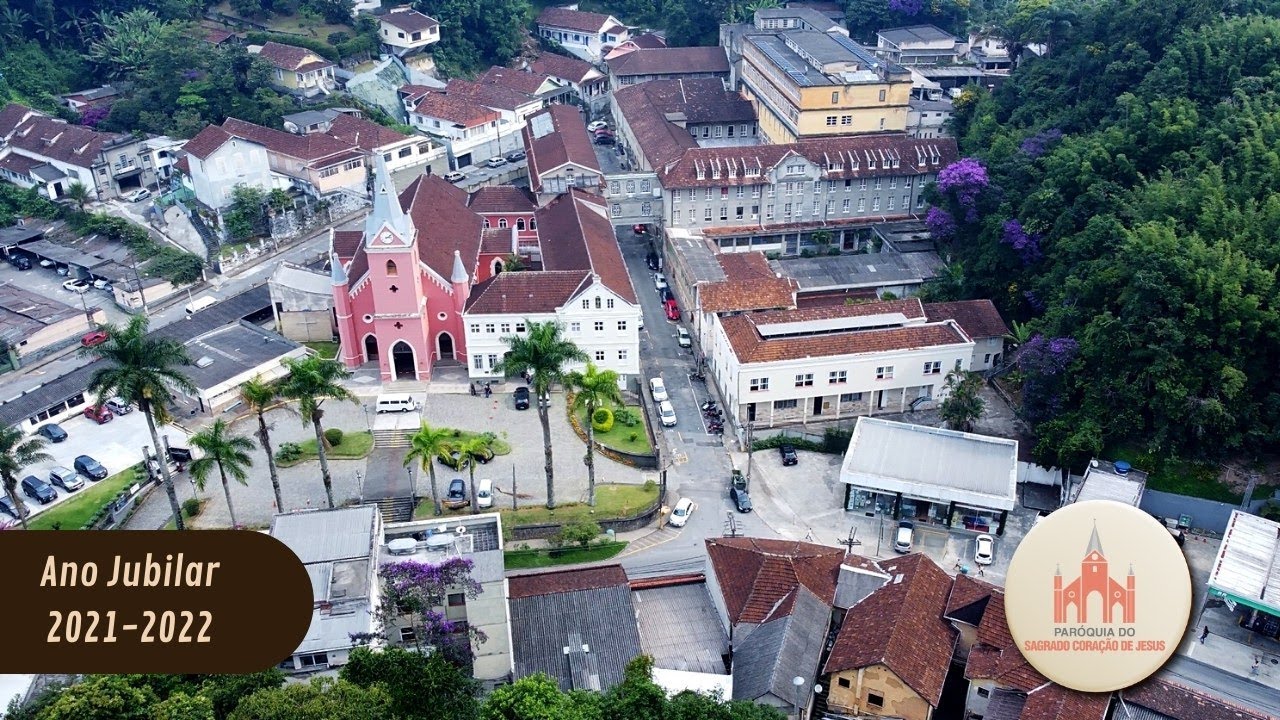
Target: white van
(396, 402)
(484, 493)
(197, 305)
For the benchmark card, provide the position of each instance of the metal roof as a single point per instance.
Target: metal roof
(1101, 484)
(220, 355)
(1247, 569)
(680, 629)
(771, 654)
(932, 463)
(856, 271)
(327, 535)
(584, 639)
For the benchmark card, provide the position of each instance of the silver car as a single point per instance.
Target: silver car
(66, 479)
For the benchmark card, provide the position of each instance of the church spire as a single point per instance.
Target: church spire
(337, 275)
(1094, 543)
(387, 211)
(459, 274)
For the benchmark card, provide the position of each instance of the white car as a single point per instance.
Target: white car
(659, 282)
(985, 550)
(597, 125)
(682, 338)
(76, 286)
(138, 195)
(681, 512)
(658, 390)
(667, 413)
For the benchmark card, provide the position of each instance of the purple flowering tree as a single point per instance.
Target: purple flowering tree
(94, 114)
(415, 594)
(940, 223)
(964, 180)
(1039, 144)
(1044, 362)
(1026, 245)
(907, 7)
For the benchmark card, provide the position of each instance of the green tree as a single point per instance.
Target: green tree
(226, 691)
(542, 353)
(538, 697)
(963, 404)
(16, 452)
(422, 686)
(226, 452)
(311, 381)
(424, 446)
(246, 216)
(126, 41)
(79, 194)
(321, 699)
(102, 697)
(592, 388)
(181, 706)
(144, 370)
(471, 451)
(260, 396)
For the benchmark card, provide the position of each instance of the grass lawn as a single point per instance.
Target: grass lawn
(1177, 476)
(499, 446)
(528, 559)
(324, 349)
(619, 436)
(355, 445)
(612, 501)
(72, 514)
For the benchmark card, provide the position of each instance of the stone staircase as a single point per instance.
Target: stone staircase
(391, 438)
(396, 509)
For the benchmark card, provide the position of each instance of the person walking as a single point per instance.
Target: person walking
(1204, 634)
(1256, 662)
(473, 388)
(487, 390)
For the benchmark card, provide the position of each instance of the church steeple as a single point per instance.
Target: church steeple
(387, 214)
(1095, 545)
(337, 275)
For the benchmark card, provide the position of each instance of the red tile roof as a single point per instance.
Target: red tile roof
(647, 40)
(527, 292)
(1183, 703)
(566, 68)
(575, 234)
(1054, 702)
(523, 81)
(559, 140)
(364, 134)
(758, 578)
(996, 657)
(496, 241)
(206, 141)
(19, 164)
(978, 318)
(456, 108)
(966, 590)
(291, 57)
(12, 116)
(444, 222)
(671, 61)
(562, 581)
(409, 20)
(587, 22)
(48, 137)
(645, 107)
(217, 36)
(489, 95)
(728, 165)
(345, 242)
(317, 149)
(900, 626)
(493, 199)
(749, 284)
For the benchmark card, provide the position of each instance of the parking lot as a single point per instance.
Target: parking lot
(47, 283)
(117, 445)
(481, 174)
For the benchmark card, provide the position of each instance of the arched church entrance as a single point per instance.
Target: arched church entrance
(402, 361)
(370, 348)
(445, 343)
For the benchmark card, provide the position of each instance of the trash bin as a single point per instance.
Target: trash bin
(609, 534)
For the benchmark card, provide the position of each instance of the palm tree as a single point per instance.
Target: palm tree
(78, 193)
(542, 353)
(16, 452)
(594, 389)
(311, 381)
(470, 451)
(143, 370)
(424, 446)
(12, 21)
(963, 405)
(260, 396)
(229, 453)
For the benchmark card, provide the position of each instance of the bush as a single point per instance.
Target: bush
(602, 420)
(333, 436)
(835, 440)
(798, 443)
(633, 436)
(288, 452)
(581, 532)
(190, 507)
(627, 416)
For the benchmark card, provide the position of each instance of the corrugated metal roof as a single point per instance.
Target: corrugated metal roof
(325, 535)
(584, 639)
(1247, 568)
(1102, 485)
(933, 463)
(680, 629)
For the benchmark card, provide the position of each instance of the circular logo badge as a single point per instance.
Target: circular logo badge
(1098, 596)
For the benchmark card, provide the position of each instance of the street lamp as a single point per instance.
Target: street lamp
(799, 683)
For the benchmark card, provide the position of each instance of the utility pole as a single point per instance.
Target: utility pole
(731, 525)
(513, 486)
(750, 449)
(852, 541)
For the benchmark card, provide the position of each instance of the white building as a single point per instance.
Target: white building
(218, 161)
(406, 30)
(824, 363)
(917, 45)
(587, 35)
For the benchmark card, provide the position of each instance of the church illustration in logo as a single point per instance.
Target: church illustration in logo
(1094, 578)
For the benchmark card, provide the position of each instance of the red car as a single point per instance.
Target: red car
(97, 337)
(673, 310)
(98, 414)
(640, 229)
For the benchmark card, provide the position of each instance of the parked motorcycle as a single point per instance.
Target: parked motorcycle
(700, 377)
(709, 405)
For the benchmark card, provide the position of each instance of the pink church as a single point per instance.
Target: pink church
(400, 286)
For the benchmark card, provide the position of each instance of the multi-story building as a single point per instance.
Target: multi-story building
(587, 35)
(658, 120)
(825, 363)
(560, 154)
(407, 31)
(917, 45)
(468, 131)
(545, 88)
(929, 118)
(683, 63)
(775, 198)
(590, 85)
(298, 71)
(810, 83)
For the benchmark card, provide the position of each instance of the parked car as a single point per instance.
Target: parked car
(521, 398)
(602, 132)
(8, 508)
(102, 284)
(665, 294)
(596, 125)
(63, 270)
(984, 550)
(681, 512)
(38, 490)
(672, 310)
(905, 536)
(741, 499)
(118, 406)
(66, 479)
(90, 468)
(138, 195)
(683, 339)
(640, 229)
(77, 286)
(47, 263)
(454, 176)
(52, 432)
(98, 414)
(659, 282)
(788, 453)
(605, 140)
(97, 337)
(667, 413)
(658, 389)
(496, 162)
(456, 497)
(515, 156)
(20, 261)
(484, 493)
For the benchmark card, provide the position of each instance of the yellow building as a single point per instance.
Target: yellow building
(808, 83)
(298, 71)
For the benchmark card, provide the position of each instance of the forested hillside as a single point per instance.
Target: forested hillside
(1124, 204)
